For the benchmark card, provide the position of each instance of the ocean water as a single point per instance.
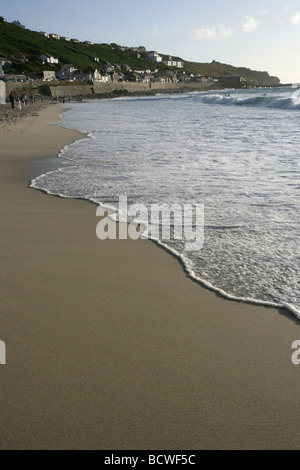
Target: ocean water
(236, 152)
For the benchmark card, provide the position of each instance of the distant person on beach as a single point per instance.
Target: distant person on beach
(12, 100)
(25, 100)
(19, 104)
(31, 97)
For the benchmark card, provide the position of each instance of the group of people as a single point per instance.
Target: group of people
(22, 100)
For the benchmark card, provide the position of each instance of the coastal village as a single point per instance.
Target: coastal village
(54, 71)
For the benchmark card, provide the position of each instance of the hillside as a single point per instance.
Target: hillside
(15, 41)
(217, 69)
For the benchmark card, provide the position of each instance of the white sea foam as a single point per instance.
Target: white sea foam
(235, 151)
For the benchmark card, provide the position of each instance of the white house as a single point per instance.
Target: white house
(48, 59)
(55, 36)
(42, 33)
(154, 56)
(178, 64)
(64, 38)
(49, 75)
(92, 77)
(168, 62)
(173, 63)
(98, 78)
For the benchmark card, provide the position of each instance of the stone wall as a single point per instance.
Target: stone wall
(20, 87)
(69, 91)
(110, 88)
(193, 86)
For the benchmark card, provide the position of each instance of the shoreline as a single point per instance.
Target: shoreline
(111, 346)
(288, 311)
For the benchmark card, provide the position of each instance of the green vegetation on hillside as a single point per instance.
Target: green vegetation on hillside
(15, 41)
(216, 70)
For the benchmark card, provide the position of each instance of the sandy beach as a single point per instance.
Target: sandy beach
(110, 345)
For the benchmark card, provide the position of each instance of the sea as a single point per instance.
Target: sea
(236, 152)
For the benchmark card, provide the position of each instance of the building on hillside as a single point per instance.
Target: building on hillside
(42, 33)
(118, 77)
(147, 78)
(47, 58)
(88, 42)
(168, 62)
(173, 63)
(132, 77)
(83, 75)
(17, 23)
(48, 75)
(16, 78)
(108, 68)
(66, 72)
(91, 77)
(100, 78)
(160, 80)
(64, 38)
(126, 68)
(172, 76)
(184, 78)
(152, 55)
(198, 78)
(55, 36)
(5, 62)
(18, 58)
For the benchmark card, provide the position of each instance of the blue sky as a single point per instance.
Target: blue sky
(260, 34)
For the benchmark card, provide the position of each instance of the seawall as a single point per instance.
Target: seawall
(111, 88)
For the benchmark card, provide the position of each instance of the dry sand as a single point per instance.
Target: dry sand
(111, 346)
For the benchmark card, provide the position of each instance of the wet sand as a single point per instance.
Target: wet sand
(110, 345)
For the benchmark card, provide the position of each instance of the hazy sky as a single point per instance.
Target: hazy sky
(260, 34)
